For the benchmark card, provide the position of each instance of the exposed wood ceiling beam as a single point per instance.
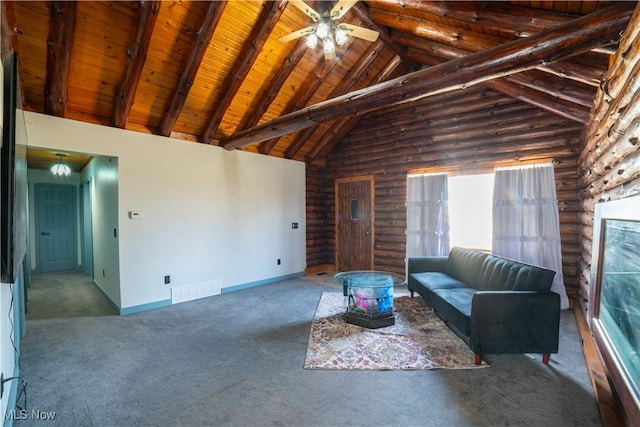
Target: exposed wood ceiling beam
(200, 43)
(300, 99)
(504, 17)
(554, 44)
(302, 96)
(267, 20)
(500, 17)
(476, 42)
(344, 86)
(9, 42)
(62, 24)
(362, 12)
(136, 56)
(558, 96)
(342, 127)
(9, 36)
(542, 100)
(567, 89)
(255, 112)
(573, 71)
(521, 92)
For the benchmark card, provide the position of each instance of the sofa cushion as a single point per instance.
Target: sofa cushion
(455, 306)
(494, 273)
(424, 283)
(466, 265)
(435, 280)
(503, 274)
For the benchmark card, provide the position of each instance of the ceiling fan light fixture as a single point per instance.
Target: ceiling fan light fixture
(341, 36)
(326, 28)
(328, 45)
(312, 41)
(60, 169)
(323, 30)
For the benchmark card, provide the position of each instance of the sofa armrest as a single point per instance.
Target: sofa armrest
(421, 264)
(515, 322)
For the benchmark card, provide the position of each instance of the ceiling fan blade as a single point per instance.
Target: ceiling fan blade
(341, 8)
(306, 9)
(297, 34)
(360, 32)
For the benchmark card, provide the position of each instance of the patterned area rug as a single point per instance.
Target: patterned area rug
(418, 340)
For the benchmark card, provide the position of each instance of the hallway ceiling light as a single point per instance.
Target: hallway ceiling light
(60, 169)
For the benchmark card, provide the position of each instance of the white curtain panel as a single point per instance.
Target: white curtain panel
(526, 225)
(427, 215)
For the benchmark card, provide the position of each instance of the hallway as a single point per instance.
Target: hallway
(63, 295)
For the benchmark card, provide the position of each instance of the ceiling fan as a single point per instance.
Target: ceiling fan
(327, 29)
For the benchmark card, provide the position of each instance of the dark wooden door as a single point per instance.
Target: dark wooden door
(354, 223)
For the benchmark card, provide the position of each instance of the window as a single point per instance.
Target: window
(354, 209)
(512, 212)
(470, 211)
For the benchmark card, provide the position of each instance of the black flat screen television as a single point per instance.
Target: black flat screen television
(13, 176)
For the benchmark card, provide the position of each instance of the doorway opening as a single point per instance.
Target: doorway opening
(72, 223)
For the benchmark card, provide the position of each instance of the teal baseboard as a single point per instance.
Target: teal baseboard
(260, 282)
(123, 311)
(104, 294)
(144, 307)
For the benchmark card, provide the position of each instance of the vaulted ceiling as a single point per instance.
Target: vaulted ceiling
(215, 73)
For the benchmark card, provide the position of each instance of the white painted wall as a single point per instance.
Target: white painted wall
(208, 213)
(103, 172)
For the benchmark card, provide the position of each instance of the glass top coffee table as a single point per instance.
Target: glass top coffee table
(369, 296)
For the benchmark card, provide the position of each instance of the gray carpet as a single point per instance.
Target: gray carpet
(236, 360)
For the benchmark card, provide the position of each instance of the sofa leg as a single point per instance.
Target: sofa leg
(478, 359)
(545, 358)
(411, 293)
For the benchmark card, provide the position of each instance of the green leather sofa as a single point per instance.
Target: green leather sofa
(497, 305)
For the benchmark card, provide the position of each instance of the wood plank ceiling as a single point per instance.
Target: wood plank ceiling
(212, 72)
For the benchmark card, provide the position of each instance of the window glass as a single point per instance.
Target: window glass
(354, 209)
(470, 210)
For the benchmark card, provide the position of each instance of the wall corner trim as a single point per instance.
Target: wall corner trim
(104, 294)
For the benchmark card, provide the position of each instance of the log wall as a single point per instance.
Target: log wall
(609, 164)
(319, 223)
(467, 130)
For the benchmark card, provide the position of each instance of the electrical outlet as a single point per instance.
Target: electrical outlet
(167, 280)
